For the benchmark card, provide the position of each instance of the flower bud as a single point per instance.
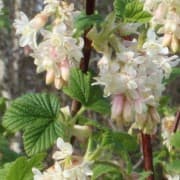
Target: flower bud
(81, 132)
(65, 70)
(161, 11)
(167, 39)
(174, 44)
(154, 115)
(39, 20)
(117, 106)
(50, 76)
(58, 83)
(168, 123)
(127, 112)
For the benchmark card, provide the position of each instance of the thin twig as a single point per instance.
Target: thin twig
(176, 122)
(147, 153)
(90, 5)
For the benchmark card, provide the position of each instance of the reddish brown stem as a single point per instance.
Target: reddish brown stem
(90, 5)
(176, 122)
(147, 153)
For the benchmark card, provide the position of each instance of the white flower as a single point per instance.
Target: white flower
(53, 173)
(22, 26)
(135, 80)
(28, 29)
(57, 53)
(51, 6)
(79, 172)
(66, 150)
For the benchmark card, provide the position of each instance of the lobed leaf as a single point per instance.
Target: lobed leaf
(38, 115)
(80, 88)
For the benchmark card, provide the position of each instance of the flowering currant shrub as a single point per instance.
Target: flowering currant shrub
(119, 114)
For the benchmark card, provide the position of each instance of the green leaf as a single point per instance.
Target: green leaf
(6, 155)
(38, 115)
(21, 169)
(100, 169)
(84, 22)
(119, 6)
(131, 11)
(174, 166)
(80, 88)
(174, 74)
(144, 175)
(30, 109)
(120, 141)
(175, 140)
(134, 12)
(39, 138)
(86, 121)
(4, 171)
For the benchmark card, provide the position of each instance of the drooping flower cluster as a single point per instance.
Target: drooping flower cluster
(166, 15)
(58, 50)
(134, 78)
(66, 167)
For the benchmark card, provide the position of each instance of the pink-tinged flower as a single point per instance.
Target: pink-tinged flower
(28, 29)
(117, 107)
(65, 69)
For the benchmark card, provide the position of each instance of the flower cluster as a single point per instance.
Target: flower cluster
(134, 77)
(166, 15)
(66, 167)
(58, 50)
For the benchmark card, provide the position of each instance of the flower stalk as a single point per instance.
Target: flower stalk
(147, 154)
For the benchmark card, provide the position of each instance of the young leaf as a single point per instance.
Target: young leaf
(80, 88)
(119, 6)
(175, 140)
(131, 11)
(21, 169)
(134, 12)
(29, 109)
(84, 22)
(174, 166)
(119, 141)
(103, 168)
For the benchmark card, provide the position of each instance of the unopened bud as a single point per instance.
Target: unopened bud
(39, 20)
(167, 39)
(154, 115)
(58, 83)
(174, 44)
(127, 112)
(168, 123)
(81, 132)
(117, 106)
(65, 70)
(50, 76)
